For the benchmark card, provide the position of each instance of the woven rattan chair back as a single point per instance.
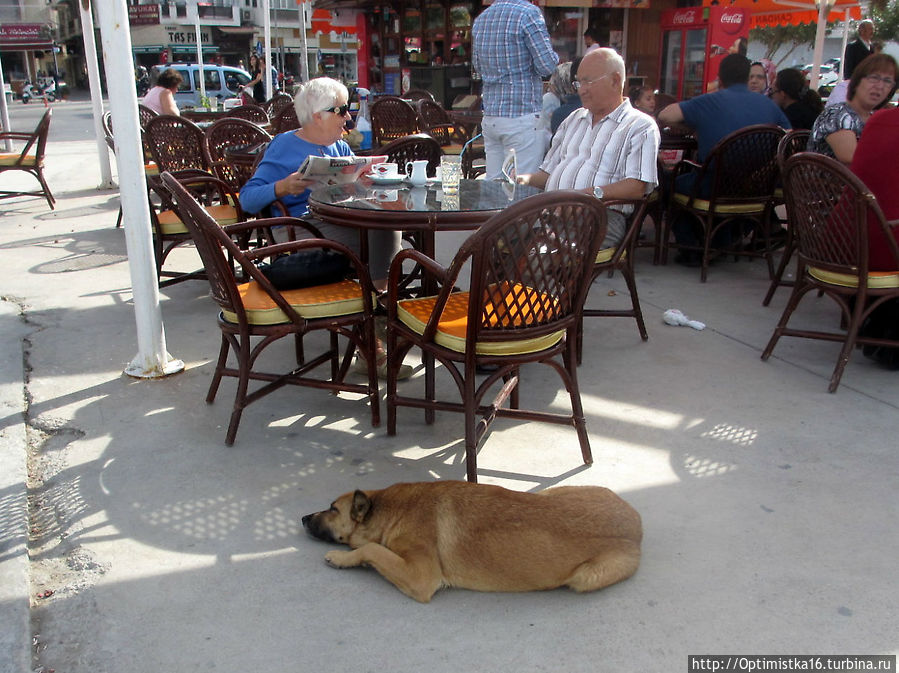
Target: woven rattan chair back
(175, 143)
(435, 121)
(145, 114)
(418, 94)
(392, 118)
(793, 142)
(474, 158)
(411, 148)
(285, 120)
(228, 133)
(833, 214)
(744, 165)
(275, 104)
(252, 113)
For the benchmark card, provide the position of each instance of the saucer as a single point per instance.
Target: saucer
(383, 180)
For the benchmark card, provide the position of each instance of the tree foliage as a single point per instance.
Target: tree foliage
(886, 20)
(776, 37)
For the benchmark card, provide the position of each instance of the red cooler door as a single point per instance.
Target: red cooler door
(694, 63)
(672, 44)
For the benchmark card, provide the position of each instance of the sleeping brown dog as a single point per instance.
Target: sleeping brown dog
(425, 536)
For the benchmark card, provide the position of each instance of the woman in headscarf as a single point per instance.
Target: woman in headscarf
(559, 88)
(761, 76)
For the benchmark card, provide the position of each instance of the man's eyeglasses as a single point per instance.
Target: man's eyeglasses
(338, 109)
(579, 84)
(877, 79)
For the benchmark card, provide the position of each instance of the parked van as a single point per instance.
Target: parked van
(221, 81)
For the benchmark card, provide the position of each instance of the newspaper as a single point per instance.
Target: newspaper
(337, 170)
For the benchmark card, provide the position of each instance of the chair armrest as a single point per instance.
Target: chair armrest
(394, 276)
(14, 135)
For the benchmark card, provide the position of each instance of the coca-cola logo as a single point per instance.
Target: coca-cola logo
(732, 21)
(685, 17)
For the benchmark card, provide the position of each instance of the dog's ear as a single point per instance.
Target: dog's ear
(361, 507)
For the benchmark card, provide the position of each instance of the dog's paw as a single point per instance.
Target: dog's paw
(339, 559)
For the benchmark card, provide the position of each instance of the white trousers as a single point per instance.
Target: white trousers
(519, 133)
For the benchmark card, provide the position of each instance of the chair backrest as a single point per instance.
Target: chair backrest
(471, 151)
(228, 133)
(792, 142)
(175, 143)
(828, 208)
(253, 113)
(663, 100)
(531, 266)
(106, 121)
(392, 118)
(412, 147)
(418, 94)
(285, 120)
(41, 133)
(276, 103)
(145, 114)
(743, 165)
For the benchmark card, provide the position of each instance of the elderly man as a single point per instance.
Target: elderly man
(511, 51)
(606, 148)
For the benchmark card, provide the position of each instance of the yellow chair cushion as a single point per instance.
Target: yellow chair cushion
(453, 148)
(453, 324)
(172, 224)
(876, 279)
(605, 255)
(150, 168)
(735, 209)
(11, 159)
(320, 301)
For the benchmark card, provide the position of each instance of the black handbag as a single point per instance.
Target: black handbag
(306, 268)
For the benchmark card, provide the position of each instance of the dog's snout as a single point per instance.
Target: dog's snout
(306, 520)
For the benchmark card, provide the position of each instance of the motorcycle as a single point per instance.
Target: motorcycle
(46, 91)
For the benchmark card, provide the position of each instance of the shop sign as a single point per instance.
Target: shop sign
(25, 35)
(178, 36)
(143, 15)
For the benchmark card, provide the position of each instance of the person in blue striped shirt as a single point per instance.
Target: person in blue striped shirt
(512, 52)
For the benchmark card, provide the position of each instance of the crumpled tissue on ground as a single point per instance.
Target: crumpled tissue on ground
(674, 317)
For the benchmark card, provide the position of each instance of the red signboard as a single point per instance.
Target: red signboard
(143, 15)
(25, 36)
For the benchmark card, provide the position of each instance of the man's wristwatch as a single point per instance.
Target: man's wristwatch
(597, 192)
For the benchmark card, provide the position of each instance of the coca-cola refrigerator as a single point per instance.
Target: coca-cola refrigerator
(694, 40)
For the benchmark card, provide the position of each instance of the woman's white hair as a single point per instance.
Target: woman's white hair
(317, 95)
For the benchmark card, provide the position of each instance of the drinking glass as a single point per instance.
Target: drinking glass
(450, 173)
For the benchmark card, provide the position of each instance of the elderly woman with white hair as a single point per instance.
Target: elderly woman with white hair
(322, 110)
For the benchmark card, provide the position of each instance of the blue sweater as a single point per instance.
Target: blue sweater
(284, 155)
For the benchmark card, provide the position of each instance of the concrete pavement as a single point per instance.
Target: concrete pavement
(769, 505)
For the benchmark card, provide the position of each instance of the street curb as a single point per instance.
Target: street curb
(15, 640)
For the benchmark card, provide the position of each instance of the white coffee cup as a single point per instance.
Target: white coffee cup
(386, 171)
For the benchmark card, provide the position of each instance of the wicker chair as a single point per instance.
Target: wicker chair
(151, 170)
(530, 270)
(285, 120)
(175, 143)
(255, 311)
(828, 208)
(228, 133)
(145, 114)
(410, 148)
(793, 142)
(435, 121)
(474, 158)
(392, 118)
(417, 94)
(30, 159)
(275, 104)
(740, 174)
(252, 113)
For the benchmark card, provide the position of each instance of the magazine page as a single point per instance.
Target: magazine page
(337, 170)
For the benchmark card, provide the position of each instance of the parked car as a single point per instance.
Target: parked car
(222, 81)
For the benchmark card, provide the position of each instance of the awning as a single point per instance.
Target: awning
(148, 49)
(237, 30)
(192, 49)
(789, 12)
(25, 37)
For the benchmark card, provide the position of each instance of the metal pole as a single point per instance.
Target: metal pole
(200, 74)
(93, 78)
(152, 359)
(4, 111)
(267, 46)
(304, 49)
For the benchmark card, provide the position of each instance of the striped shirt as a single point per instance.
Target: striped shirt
(512, 51)
(623, 144)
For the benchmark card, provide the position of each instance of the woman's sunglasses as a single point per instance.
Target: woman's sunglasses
(338, 110)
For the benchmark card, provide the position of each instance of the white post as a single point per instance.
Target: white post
(823, 10)
(267, 47)
(93, 77)
(152, 360)
(846, 18)
(200, 73)
(304, 49)
(4, 111)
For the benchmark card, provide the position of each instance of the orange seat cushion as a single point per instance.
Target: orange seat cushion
(320, 301)
(171, 224)
(453, 323)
